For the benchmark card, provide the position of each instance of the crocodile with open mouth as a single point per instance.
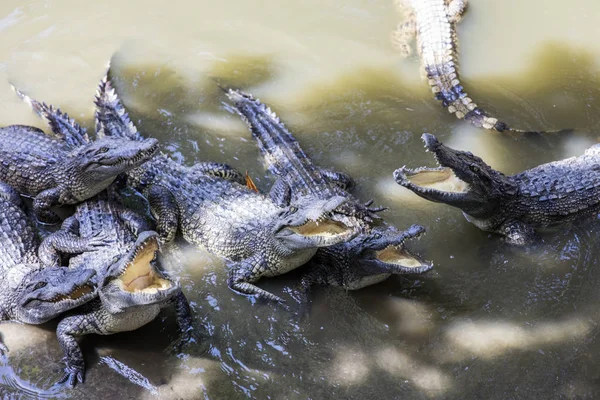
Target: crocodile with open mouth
(513, 206)
(299, 180)
(30, 293)
(63, 169)
(433, 23)
(367, 259)
(132, 285)
(258, 237)
(374, 254)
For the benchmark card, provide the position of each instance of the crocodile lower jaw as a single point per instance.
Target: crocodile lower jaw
(441, 179)
(398, 256)
(140, 275)
(79, 292)
(325, 228)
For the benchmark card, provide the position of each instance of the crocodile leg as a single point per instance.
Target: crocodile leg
(404, 35)
(42, 204)
(456, 9)
(64, 241)
(517, 232)
(280, 193)
(219, 170)
(184, 320)
(68, 328)
(340, 179)
(165, 210)
(71, 224)
(241, 277)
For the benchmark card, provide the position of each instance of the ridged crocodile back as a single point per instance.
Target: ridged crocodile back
(26, 153)
(99, 216)
(568, 187)
(18, 241)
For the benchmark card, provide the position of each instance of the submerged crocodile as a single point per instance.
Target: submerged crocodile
(258, 237)
(57, 171)
(513, 206)
(30, 293)
(299, 180)
(367, 259)
(433, 23)
(132, 286)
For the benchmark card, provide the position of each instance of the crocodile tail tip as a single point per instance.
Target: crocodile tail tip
(22, 95)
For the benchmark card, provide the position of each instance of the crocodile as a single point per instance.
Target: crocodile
(513, 206)
(124, 257)
(299, 180)
(219, 213)
(367, 259)
(374, 254)
(30, 293)
(132, 285)
(57, 171)
(433, 22)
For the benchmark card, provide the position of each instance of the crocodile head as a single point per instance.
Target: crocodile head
(48, 292)
(98, 163)
(384, 249)
(136, 279)
(462, 180)
(312, 225)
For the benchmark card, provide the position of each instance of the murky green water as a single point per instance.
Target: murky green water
(491, 322)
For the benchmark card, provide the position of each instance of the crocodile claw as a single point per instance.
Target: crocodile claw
(73, 374)
(374, 209)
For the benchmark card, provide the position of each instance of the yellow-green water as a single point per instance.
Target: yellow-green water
(492, 321)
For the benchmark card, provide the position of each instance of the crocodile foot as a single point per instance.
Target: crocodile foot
(73, 374)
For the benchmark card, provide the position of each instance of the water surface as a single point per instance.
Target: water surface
(491, 321)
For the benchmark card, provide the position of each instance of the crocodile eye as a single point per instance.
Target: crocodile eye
(103, 150)
(39, 285)
(293, 209)
(474, 168)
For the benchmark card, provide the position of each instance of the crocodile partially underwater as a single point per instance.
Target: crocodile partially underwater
(57, 171)
(132, 285)
(299, 180)
(513, 206)
(366, 260)
(433, 22)
(374, 254)
(258, 237)
(30, 293)
(125, 259)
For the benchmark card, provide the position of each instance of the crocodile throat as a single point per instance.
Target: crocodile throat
(441, 179)
(140, 275)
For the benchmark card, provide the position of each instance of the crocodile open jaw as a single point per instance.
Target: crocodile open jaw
(442, 179)
(140, 274)
(397, 255)
(325, 227)
(77, 293)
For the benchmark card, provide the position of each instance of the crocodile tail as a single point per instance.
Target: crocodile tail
(269, 131)
(61, 124)
(111, 117)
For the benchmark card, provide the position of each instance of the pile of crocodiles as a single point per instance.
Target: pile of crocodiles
(101, 272)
